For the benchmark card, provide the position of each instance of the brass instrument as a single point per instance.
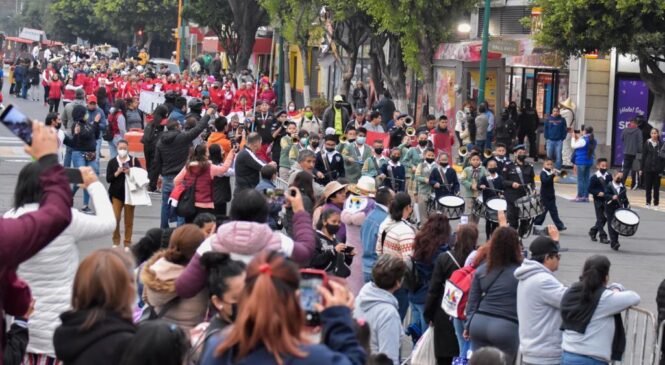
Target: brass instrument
(295, 139)
(462, 151)
(342, 139)
(408, 121)
(488, 153)
(410, 131)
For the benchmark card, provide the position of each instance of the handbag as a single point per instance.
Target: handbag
(423, 352)
(186, 204)
(90, 156)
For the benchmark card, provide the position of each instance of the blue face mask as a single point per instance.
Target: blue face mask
(360, 140)
(304, 141)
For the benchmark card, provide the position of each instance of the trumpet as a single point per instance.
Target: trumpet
(408, 121)
(342, 139)
(488, 153)
(463, 151)
(295, 139)
(410, 131)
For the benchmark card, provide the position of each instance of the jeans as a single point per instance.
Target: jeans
(418, 316)
(99, 149)
(488, 141)
(480, 143)
(627, 167)
(464, 345)
(167, 188)
(367, 276)
(402, 296)
(78, 160)
(113, 149)
(68, 157)
(24, 90)
(554, 149)
(583, 176)
(568, 358)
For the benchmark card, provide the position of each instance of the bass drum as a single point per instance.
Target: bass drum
(625, 222)
(492, 208)
(452, 206)
(529, 206)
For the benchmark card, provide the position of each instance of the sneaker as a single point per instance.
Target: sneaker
(593, 237)
(615, 246)
(575, 200)
(86, 210)
(116, 246)
(647, 206)
(126, 248)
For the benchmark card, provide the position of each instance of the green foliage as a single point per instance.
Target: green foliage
(298, 19)
(319, 106)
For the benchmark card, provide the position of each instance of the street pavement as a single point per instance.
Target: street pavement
(638, 265)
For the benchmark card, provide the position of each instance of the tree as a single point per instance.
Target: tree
(420, 26)
(635, 27)
(220, 22)
(299, 23)
(248, 16)
(392, 68)
(348, 27)
(76, 18)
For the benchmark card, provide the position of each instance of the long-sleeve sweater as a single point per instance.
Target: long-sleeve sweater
(215, 170)
(192, 280)
(399, 237)
(500, 299)
(23, 237)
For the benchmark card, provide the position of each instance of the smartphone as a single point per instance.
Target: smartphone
(310, 281)
(74, 176)
(349, 249)
(17, 123)
(125, 165)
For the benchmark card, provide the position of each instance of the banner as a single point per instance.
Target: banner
(148, 100)
(373, 136)
(632, 100)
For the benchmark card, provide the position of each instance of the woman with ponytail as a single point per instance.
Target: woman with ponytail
(270, 327)
(583, 158)
(163, 269)
(591, 316)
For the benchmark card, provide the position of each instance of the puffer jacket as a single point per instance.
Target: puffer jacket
(158, 277)
(50, 273)
(173, 149)
(245, 239)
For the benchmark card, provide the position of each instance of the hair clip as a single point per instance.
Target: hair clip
(265, 269)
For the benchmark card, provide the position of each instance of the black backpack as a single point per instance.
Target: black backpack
(186, 204)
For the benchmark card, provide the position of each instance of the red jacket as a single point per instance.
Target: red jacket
(23, 237)
(55, 89)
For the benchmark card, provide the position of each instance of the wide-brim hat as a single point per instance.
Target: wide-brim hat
(331, 188)
(366, 186)
(568, 104)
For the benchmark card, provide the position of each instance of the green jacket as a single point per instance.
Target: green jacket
(467, 180)
(370, 167)
(353, 169)
(286, 143)
(423, 171)
(411, 159)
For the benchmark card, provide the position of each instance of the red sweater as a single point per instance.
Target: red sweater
(55, 90)
(23, 237)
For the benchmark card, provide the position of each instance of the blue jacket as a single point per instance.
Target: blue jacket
(178, 115)
(452, 187)
(582, 156)
(340, 346)
(92, 114)
(425, 270)
(274, 207)
(555, 128)
(368, 233)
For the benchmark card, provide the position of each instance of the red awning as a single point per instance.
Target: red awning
(261, 45)
(48, 43)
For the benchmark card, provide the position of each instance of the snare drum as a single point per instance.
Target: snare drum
(625, 222)
(492, 208)
(452, 206)
(529, 206)
(478, 207)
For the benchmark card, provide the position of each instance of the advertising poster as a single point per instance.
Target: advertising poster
(445, 93)
(632, 100)
(490, 86)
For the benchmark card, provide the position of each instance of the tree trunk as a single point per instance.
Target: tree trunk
(248, 15)
(375, 70)
(425, 59)
(305, 73)
(657, 115)
(347, 75)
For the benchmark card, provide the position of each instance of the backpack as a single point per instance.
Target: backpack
(186, 204)
(108, 132)
(456, 292)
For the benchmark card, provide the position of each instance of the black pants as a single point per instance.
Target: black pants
(550, 206)
(444, 360)
(627, 167)
(46, 90)
(652, 183)
(513, 215)
(531, 136)
(11, 88)
(53, 105)
(149, 155)
(489, 228)
(191, 218)
(609, 214)
(17, 87)
(601, 219)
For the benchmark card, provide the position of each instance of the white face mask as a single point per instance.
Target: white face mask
(122, 153)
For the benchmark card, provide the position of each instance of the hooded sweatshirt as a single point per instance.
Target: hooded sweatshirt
(103, 344)
(173, 148)
(632, 141)
(379, 308)
(539, 312)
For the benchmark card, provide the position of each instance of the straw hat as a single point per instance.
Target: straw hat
(331, 188)
(568, 104)
(366, 186)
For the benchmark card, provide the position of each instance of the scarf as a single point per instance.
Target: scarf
(338, 121)
(576, 316)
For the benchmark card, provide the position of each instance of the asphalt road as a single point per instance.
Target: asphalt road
(638, 265)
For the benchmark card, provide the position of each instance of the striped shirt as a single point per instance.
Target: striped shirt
(398, 240)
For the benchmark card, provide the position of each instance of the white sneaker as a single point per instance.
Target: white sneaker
(116, 246)
(647, 206)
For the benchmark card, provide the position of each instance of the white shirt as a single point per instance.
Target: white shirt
(361, 150)
(330, 156)
(47, 54)
(601, 176)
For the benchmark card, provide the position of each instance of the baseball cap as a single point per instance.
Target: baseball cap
(338, 98)
(543, 246)
(92, 99)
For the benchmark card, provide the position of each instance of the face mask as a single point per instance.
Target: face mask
(309, 115)
(330, 149)
(378, 150)
(360, 140)
(444, 130)
(429, 160)
(122, 153)
(493, 170)
(443, 164)
(332, 228)
(422, 143)
(546, 169)
(292, 108)
(351, 140)
(394, 159)
(314, 144)
(603, 171)
(617, 180)
(304, 141)
(522, 158)
(338, 105)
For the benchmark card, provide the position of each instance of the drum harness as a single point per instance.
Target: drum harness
(619, 199)
(527, 190)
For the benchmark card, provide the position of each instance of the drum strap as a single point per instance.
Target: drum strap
(443, 176)
(391, 176)
(326, 163)
(490, 182)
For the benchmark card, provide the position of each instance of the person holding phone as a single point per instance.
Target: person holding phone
(116, 171)
(83, 142)
(329, 254)
(272, 292)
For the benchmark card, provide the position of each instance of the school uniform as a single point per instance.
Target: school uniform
(331, 164)
(446, 177)
(395, 176)
(611, 206)
(494, 187)
(597, 185)
(548, 198)
(423, 188)
(359, 154)
(522, 174)
(372, 167)
(501, 163)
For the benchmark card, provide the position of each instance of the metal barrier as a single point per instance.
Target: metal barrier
(281, 184)
(659, 344)
(641, 337)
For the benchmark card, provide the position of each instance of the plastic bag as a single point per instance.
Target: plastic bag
(423, 352)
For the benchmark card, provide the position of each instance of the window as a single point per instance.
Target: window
(505, 20)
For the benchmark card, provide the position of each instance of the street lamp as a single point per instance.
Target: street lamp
(483, 56)
(464, 28)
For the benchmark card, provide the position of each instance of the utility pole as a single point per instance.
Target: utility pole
(183, 25)
(178, 36)
(483, 56)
